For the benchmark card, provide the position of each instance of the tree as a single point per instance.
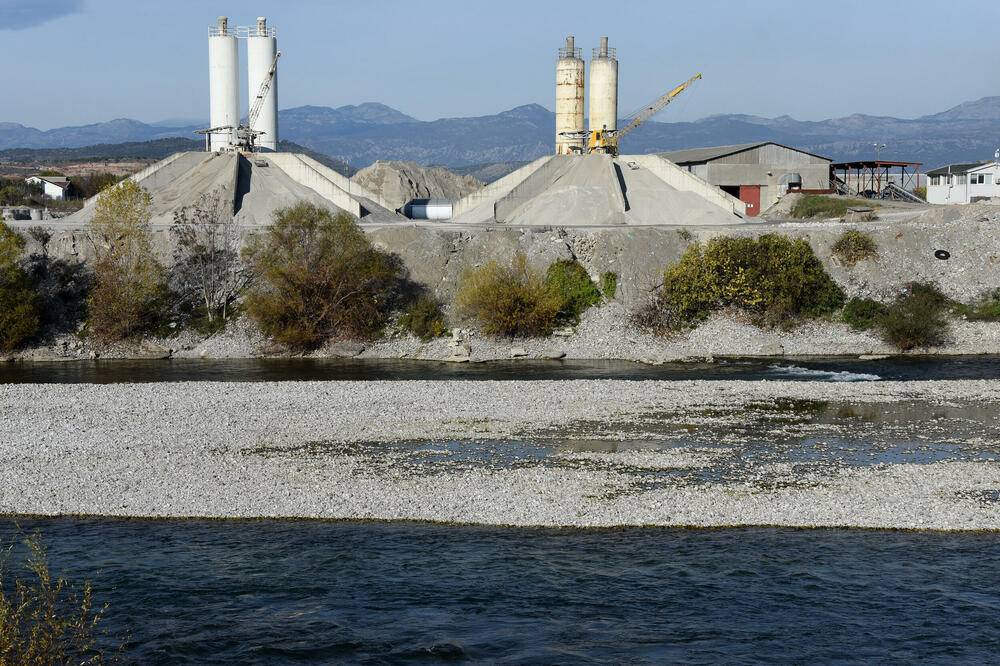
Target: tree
(128, 280)
(18, 302)
(317, 276)
(207, 264)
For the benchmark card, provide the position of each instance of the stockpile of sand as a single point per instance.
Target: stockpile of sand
(399, 182)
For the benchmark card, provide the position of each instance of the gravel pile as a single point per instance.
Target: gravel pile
(385, 450)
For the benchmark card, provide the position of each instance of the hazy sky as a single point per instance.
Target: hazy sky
(71, 62)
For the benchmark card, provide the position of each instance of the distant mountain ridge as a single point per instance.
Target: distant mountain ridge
(361, 134)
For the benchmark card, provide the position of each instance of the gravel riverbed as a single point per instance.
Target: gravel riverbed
(581, 453)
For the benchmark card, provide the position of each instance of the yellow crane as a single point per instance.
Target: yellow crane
(606, 141)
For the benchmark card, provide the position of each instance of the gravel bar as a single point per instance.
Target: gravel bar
(387, 450)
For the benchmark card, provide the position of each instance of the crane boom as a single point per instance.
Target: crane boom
(265, 85)
(656, 107)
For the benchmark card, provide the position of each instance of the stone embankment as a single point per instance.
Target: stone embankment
(557, 453)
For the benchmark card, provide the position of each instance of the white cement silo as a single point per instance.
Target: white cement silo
(223, 83)
(569, 98)
(262, 46)
(603, 110)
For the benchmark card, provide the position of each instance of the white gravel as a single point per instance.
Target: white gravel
(383, 450)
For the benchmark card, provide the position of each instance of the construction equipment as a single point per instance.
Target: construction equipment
(605, 140)
(246, 137)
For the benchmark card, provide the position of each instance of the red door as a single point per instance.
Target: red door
(750, 195)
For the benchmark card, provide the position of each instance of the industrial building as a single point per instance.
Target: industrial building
(756, 173)
(963, 183)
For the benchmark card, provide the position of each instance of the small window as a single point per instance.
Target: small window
(935, 180)
(989, 178)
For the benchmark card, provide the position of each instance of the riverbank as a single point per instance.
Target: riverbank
(914, 455)
(604, 332)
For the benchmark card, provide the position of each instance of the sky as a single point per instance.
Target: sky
(74, 62)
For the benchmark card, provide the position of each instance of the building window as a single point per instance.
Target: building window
(960, 180)
(989, 179)
(935, 180)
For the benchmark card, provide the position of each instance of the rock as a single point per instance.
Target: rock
(94, 355)
(774, 349)
(150, 351)
(872, 357)
(203, 353)
(398, 182)
(516, 352)
(345, 349)
(563, 332)
(456, 359)
(554, 354)
(461, 350)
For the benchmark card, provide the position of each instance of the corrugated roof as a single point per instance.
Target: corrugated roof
(953, 168)
(692, 155)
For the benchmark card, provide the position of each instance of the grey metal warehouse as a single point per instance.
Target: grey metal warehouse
(758, 173)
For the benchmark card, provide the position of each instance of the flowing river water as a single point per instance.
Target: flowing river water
(248, 592)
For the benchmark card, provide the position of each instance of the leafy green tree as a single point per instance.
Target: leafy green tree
(129, 283)
(19, 316)
(316, 277)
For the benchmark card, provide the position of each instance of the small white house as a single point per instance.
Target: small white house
(54, 187)
(963, 183)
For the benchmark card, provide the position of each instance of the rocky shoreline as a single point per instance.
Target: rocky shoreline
(570, 453)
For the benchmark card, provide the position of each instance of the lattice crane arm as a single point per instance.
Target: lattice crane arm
(265, 85)
(655, 107)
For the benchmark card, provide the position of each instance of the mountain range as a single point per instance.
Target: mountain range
(360, 134)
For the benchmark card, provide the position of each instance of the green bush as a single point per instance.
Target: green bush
(986, 308)
(916, 318)
(424, 319)
(19, 312)
(573, 287)
(863, 313)
(317, 276)
(774, 279)
(853, 246)
(609, 284)
(812, 205)
(509, 300)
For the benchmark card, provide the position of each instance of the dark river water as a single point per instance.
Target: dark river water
(327, 592)
(246, 370)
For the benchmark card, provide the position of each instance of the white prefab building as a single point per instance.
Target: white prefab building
(54, 187)
(963, 183)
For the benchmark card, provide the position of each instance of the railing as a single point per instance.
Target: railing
(570, 53)
(610, 54)
(241, 32)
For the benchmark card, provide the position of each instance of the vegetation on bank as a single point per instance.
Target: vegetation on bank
(818, 206)
(774, 280)
(45, 619)
(317, 277)
(853, 246)
(19, 311)
(512, 299)
(129, 289)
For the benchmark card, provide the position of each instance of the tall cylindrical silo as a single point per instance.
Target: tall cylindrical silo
(223, 83)
(603, 110)
(569, 98)
(262, 46)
